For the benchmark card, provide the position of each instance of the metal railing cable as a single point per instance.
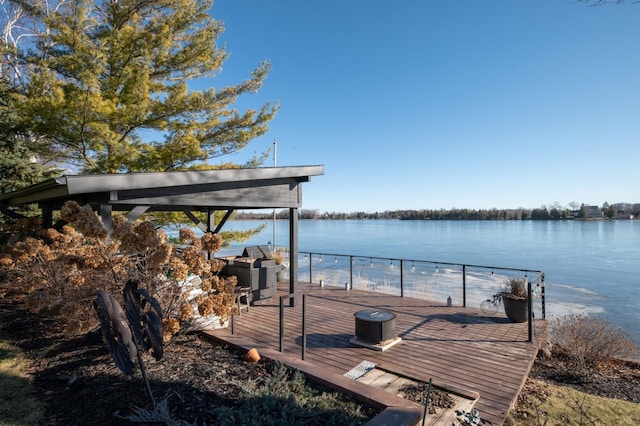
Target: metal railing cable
(429, 279)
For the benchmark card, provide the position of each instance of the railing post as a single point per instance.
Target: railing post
(351, 271)
(464, 286)
(310, 271)
(304, 321)
(542, 297)
(304, 325)
(530, 310)
(281, 322)
(401, 277)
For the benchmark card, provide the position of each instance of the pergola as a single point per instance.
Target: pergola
(187, 191)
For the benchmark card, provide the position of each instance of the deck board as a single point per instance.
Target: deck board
(455, 346)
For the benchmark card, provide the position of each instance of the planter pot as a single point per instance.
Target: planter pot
(252, 355)
(280, 276)
(516, 310)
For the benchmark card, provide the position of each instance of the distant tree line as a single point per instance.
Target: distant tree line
(555, 212)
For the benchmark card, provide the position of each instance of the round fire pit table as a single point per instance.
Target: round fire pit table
(375, 326)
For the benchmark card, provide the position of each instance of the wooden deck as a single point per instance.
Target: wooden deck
(456, 347)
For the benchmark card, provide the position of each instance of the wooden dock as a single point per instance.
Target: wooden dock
(458, 348)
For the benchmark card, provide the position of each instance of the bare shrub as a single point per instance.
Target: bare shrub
(589, 341)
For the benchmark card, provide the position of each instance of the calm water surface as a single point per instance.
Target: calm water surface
(590, 267)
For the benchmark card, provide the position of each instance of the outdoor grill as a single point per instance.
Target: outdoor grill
(375, 326)
(254, 269)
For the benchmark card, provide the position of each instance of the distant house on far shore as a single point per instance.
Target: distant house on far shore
(592, 212)
(624, 210)
(623, 215)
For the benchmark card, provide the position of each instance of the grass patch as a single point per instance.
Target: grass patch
(17, 406)
(542, 403)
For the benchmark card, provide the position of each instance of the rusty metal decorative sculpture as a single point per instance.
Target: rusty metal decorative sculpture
(130, 331)
(145, 318)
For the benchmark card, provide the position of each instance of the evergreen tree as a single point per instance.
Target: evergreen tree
(582, 213)
(555, 214)
(20, 160)
(540, 214)
(107, 83)
(610, 212)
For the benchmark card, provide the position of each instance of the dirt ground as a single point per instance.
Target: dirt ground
(78, 383)
(617, 380)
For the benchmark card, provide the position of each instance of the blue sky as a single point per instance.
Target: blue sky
(419, 104)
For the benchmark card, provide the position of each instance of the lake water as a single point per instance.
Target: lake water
(590, 266)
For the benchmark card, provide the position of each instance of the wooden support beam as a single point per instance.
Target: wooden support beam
(136, 212)
(14, 215)
(226, 217)
(195, 220)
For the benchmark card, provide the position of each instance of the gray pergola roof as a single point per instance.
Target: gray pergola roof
(275, 187)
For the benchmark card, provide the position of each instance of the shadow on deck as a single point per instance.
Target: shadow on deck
(460, 349)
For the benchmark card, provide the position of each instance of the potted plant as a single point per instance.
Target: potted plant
(515, 300)
(279, 258)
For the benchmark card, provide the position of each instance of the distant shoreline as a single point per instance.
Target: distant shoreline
(618, 211)
(243, 217)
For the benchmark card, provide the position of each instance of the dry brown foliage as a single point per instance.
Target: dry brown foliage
(61, 271)
(589, 341)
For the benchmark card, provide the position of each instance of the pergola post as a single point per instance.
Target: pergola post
(105, 211)
(293, 253)
(47, 216)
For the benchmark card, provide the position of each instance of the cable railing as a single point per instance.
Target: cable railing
(456, 284)
(466, 284)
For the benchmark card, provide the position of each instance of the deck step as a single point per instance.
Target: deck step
(463, 400)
